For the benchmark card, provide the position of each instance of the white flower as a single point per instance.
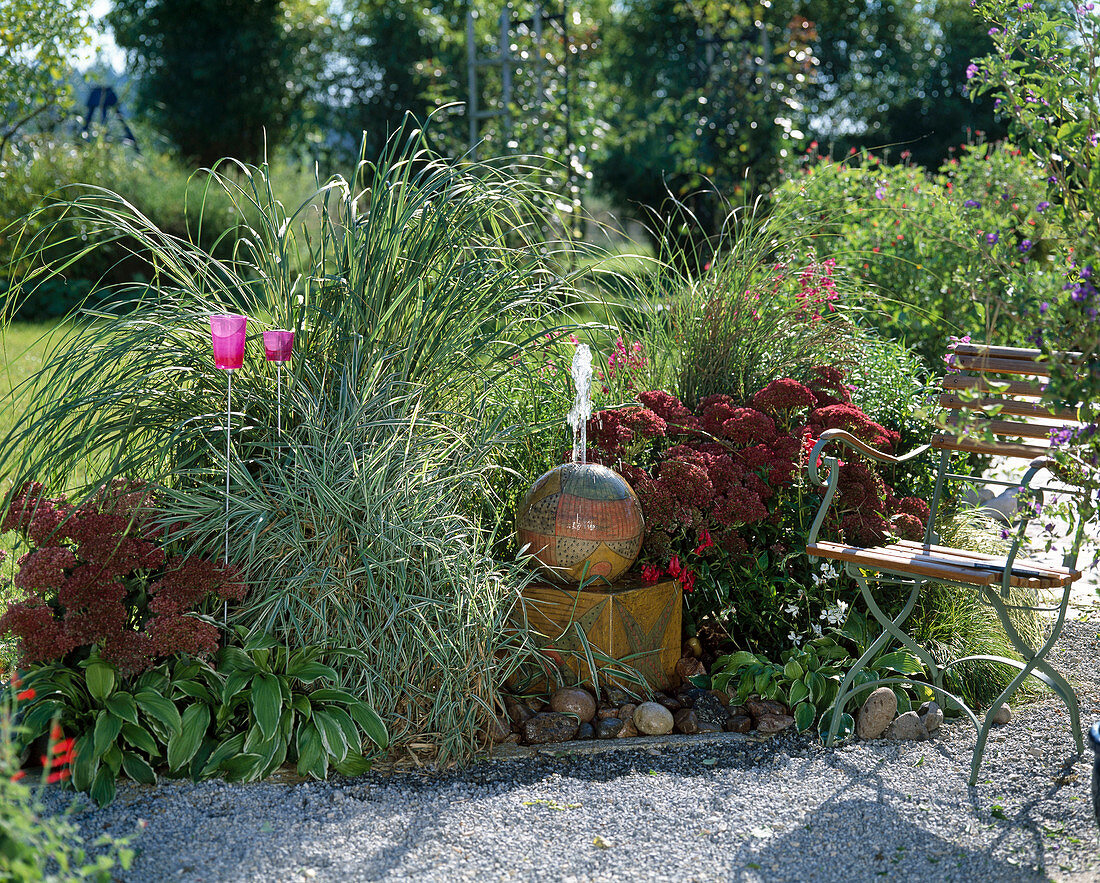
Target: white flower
(794, 639)
(791, 609)
(817, 629)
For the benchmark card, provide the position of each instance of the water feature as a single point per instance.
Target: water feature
(582, 404)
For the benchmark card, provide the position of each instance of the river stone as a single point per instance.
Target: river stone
(738, 723)
(686, 721)
(585, 731)
(653, 719)
(626, 712)
(931, 715)
(907, 728)
(519, 712)
(605, 713)
(1002, 716)
(773, 723)
(711, 714)
(876, 713)
(498, 728)
(688, 696)
(549, 726)
(758, 707)
(737, 709)
(617, 697)
(628, 731)
(721, 696)
(608, 728)
(689, 667)
(671, 704)
(574, 700)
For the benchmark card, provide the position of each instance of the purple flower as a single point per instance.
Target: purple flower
(1042, 206)
(994, 31)
(880, 193)
(1053, 179)
(993, 237)
(1043, 307)
(972, 203)
(1025, 245)
(971, 71)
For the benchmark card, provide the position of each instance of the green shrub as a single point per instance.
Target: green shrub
(941, 253)
(39, 224)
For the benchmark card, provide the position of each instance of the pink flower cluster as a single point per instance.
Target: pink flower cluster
(720, 472)
(97, 575)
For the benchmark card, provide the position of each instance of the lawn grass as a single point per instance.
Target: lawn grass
(23, 348)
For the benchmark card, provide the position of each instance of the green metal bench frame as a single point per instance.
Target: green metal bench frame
(913, 565)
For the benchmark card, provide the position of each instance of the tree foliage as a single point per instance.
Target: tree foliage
(37, 40)
(893, 73)
(221, 77)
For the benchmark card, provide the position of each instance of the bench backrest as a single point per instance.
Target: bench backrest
(1011, 382)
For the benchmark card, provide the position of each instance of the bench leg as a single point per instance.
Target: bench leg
(891, 628)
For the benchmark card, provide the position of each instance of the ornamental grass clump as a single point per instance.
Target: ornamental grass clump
(419, 292)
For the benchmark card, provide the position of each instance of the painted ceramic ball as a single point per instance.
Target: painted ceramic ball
(581, 514)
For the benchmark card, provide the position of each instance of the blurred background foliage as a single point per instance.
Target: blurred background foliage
(634, 102)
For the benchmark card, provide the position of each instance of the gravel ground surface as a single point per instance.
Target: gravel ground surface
(784, 809)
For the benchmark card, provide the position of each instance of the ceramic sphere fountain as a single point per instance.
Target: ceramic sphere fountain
(580, 520)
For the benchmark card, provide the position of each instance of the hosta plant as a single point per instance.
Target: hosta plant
(241, 718)
(807, 678)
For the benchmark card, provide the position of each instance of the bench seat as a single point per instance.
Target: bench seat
(949, 565)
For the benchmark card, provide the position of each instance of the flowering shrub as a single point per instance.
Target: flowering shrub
(96, 576)
(726, 505)
(937, 247)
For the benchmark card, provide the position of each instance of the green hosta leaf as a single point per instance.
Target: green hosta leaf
(85, 763)
(799, 691)
(348, 727)
(159, 708)
(112, 758)
(904, 703)
(243, 767)
(193, 690)
(792, 670)
(235, 659)
(183, 745)
(301, 704)
(37, 721)
(332, 737)
(101, 679)
(199, 761)
(804, 714)
(816, 684)
(328, 695)
(700, 681)
(122, 705)
(279, 748)
(102, 790)
(107, 728)
(312, 671)
(353, 765)
(234, 685)
(140, 738)
(230, 747)
(370, 723)
(266, 701)
(901, 661)
(138, 769)
(846, 728)
(260, 643)
(312, 757)
(734, 661)
(762, 681)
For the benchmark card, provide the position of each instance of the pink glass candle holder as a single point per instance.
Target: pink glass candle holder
(227, 334)
(278, 345)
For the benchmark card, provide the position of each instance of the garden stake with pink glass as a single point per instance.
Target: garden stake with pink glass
(278, 347)
(227, 333)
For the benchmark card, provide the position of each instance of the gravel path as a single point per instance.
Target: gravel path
(785, 809)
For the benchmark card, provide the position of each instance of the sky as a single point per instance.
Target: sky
(103, 44)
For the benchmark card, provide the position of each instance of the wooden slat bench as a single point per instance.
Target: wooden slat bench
(994, 402)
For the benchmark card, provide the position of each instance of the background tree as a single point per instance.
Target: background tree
(703, 97)
(896, 74)
(37, 41)
(216, 75)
